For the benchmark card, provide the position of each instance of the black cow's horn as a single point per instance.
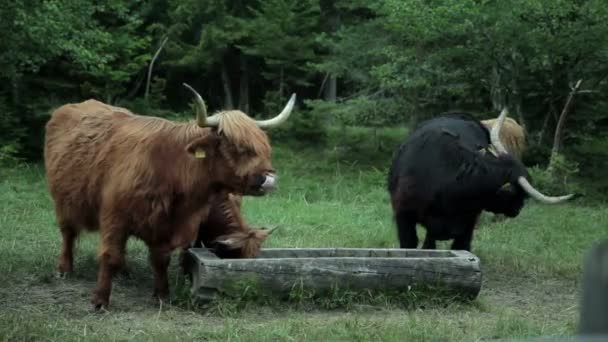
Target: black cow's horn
(495, 132)
(201, 110)
(279, 119)
(538, 195)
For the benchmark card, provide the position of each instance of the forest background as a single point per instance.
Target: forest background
(352, 64)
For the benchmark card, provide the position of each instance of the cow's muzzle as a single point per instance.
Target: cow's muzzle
(270, 181)
(264, 183)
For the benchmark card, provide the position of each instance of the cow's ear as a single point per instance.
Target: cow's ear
(202, 148)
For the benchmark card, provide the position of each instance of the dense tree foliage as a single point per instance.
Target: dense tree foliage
(350, 62)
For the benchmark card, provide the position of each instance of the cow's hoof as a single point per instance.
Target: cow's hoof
(97, 308)
(98, 304)
(61, 275)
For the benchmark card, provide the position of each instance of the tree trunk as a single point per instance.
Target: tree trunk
(332, 24)
(516, 103)
(545, 125)
(162, 44)
(557, 139)
(415, 114)
(244, 86)
(138, 82)
(228, 102)
(497, 93)
(109, 94)
(331, 88)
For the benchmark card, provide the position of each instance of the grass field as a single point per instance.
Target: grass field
(332, 197)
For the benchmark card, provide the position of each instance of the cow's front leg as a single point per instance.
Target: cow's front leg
(463, 241)
(406, 229)
(111, 259)
(160, 259)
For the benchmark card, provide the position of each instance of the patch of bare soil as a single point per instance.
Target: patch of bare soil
(541, 297)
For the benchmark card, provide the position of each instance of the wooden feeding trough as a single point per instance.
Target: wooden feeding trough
(278, 270)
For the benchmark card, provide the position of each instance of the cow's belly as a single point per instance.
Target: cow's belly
(443, 228)
(169, 233)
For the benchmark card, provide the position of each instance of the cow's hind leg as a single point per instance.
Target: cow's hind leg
(429, 242)
(69, 235)
(160, 259)
(406, 229)
(111, 259)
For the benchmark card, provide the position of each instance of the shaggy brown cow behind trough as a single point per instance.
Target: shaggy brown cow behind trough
(512, 136)
(123, 174)
(226, 232)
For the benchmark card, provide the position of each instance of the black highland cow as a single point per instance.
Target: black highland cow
(447, 172)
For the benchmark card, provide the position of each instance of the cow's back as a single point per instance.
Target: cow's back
(429, 158)
(75, 148)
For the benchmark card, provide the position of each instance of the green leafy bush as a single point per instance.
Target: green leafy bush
(559, 178)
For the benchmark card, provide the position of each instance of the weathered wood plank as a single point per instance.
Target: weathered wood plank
(277, 270)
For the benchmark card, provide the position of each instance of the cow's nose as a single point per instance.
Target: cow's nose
(269, 182)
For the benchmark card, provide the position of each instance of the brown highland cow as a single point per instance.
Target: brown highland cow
(123, 174)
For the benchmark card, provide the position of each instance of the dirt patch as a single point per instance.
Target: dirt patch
(540, 297)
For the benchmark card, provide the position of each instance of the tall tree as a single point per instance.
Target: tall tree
(282, 34)
(204, 35)
(65, 49)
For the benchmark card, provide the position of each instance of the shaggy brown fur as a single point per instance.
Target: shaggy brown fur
(243, 132)
(226, 232)
(122, 174)
(512, 136)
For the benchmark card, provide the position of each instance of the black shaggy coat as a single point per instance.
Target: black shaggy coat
(444, 175)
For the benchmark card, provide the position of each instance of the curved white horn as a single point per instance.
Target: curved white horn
(495, 132)
(279, 119)
(201, 110)
(539, 196)
(213, 121)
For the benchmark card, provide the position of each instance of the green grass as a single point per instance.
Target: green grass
(330, 197)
